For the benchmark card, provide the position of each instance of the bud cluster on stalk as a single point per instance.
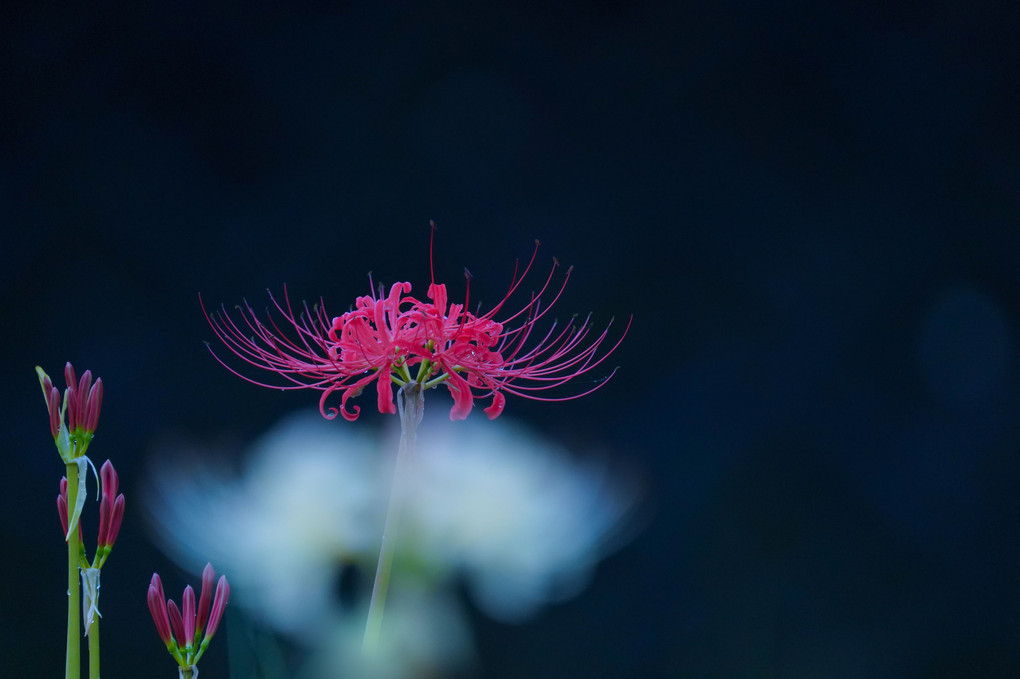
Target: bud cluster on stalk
(187, 630)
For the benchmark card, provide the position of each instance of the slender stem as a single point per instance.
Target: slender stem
(94, 649)
(72, 668)
(410, 403)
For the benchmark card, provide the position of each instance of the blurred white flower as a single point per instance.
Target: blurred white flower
(522, 521)
(518, 519)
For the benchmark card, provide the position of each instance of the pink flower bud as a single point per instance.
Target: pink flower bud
(208, 576)
(158, 584)
(107, 505)
(62, 507)
(219, 605)
(69, 376)
(72, 408)
(110, 480)
(188, 602)
(83, 393)
(157, 607)
(62, 511)
(104, 521)
(53, 404)
(115, 521)
(176, 621)
(95, 402)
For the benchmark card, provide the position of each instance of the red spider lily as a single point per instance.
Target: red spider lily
(186, 634)
(395, 339)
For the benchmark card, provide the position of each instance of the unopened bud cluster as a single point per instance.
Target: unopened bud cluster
(111, 514)
(187, 630)
(75, 415)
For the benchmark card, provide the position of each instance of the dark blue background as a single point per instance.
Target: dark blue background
(811, 210)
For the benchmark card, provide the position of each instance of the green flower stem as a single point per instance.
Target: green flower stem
(94, 649)
(72, 668)
(410, 403)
